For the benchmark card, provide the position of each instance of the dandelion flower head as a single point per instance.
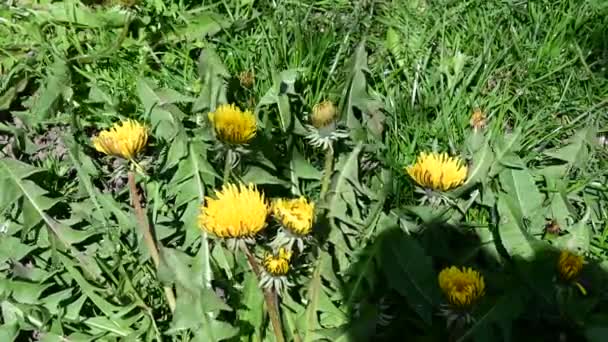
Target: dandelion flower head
(277, 264)
(569, 265)
(295, 215)
(462, 287)
(125, 139)
(232, 125)
(438, 171)
(238, 211)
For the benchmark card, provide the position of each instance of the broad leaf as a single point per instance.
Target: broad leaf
(57, 82)
(513, 234)
(213, 74)
(410, 272)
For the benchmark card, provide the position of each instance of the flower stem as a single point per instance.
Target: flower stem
(327, 172)
(151, 244)
(270, 297)
(227, 166)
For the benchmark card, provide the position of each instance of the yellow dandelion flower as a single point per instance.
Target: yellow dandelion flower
(462, 287)
(295, 215)
(277, 264)
(438, 171)
(237, 212)
(569, 265)
(232, 125)
(125, 139)
(323, 114)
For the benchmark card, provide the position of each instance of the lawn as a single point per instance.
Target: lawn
(303, 170)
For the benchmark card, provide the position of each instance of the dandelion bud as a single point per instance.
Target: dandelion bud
(569, 265)
(478, 119)
(247, 79)
(323, 114)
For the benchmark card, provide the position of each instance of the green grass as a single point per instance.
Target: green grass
(535, 68)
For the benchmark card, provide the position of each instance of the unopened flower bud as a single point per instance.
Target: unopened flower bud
(323, 114)
(246, 78)
(478, 119)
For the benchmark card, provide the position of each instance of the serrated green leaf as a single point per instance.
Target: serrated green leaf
(283, 84)
(520, 186)
(51, 302)
(89, 290)
(57, 82)
(12, 248)
(19, 168)
(576, 152)
(21, 291)
(394, 45)
(357, 96)
(198, 26)
(505, 147)
(213, 74)
(104, 324)
(506, 309)
(9, 331)
(330, 315)
(75, 13)
(341, 193)
(177, 150)
(309, 322)
(579, 235)
(11, 93)
(483, 158)
(258, 175)
(430, 214)
(302, 168)
(215, 331)
(513, 235)
(410, 272)
(201, 266)
(188, 313)
(253, 300)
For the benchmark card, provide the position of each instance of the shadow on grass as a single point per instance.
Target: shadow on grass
(393, 293)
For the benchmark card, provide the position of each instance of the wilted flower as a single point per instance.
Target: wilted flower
(552, 227)
(296, 215)
(462, 287)
(276, 267)
(237, 212)
(478, 119)
(323, 114)
(569, 265)
(125, 139)
(438, 171)
(246, 79)
(232, 125)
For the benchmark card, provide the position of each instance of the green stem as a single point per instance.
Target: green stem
(327, 172)
(227, 166)
(151, 243)
(270, 297)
